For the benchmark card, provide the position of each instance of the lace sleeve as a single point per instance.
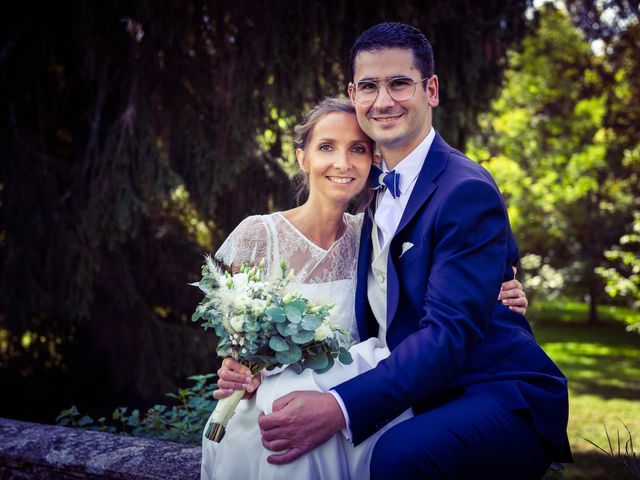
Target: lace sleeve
(354, 222)
(249, 242)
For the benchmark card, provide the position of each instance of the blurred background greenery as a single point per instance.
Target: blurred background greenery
(134, 137)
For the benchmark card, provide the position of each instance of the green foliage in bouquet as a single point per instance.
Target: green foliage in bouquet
(261, 322)
(182, 422)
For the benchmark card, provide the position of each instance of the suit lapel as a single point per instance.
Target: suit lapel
(434, 164)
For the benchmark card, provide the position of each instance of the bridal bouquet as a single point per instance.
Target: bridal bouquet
(263, 324)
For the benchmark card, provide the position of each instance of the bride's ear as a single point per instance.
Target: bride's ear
(300, 158)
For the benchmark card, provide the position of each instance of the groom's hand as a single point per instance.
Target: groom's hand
(300, 422)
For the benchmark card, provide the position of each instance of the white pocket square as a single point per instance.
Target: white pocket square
(405, 246)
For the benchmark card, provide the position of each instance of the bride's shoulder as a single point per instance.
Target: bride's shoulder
(253, 229)
(354, 221)
(248, 242)
(251, 224)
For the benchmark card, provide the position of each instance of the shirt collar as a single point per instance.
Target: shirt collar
(410, 166)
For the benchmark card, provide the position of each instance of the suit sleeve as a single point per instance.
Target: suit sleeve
(469, 255)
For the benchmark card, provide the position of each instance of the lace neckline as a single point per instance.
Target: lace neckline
(308, 240)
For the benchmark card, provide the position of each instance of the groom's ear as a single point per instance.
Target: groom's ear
(432, 89)
(351, 91)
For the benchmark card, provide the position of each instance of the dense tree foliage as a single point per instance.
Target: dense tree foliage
(623, 277)
(135, 136)
(563, 143)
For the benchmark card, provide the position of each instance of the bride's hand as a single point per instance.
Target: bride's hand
(233, 375)
(512, 295)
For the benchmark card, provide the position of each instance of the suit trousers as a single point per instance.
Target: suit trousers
(472, 436)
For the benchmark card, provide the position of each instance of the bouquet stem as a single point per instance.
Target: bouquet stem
(225, 408)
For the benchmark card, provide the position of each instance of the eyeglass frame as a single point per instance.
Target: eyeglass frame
(353, 86)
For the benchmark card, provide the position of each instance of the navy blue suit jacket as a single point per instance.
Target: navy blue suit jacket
(446, 330)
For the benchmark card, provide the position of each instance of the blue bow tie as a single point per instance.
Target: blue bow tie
(381, 180)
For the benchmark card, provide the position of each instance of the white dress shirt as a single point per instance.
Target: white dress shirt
(390, 210)
(388, 214)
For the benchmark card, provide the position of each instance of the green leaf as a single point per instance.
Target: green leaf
(287, 329)
(251, 325)
(303, 336)
(276, 314)
(316, 362)
(224, 347)
(328, 367)
(344, 356)
(278, 344)
(310, 322)
(294, 311)
(292, 355)
(84, 421)
(252, 336)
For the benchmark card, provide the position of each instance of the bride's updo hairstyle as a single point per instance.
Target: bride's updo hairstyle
(304, 131)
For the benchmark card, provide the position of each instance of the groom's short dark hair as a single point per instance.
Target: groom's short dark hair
(395, 35)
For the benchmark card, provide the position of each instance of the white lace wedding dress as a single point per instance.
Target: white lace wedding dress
(323, 276)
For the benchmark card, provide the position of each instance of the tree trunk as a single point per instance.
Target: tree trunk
(593, 303)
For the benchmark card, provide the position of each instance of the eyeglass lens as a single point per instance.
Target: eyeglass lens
(399, 89)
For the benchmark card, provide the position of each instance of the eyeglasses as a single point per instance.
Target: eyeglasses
(400, 89)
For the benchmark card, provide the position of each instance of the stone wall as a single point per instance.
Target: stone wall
(35, 451)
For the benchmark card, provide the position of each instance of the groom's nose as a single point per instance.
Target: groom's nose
(383, 100)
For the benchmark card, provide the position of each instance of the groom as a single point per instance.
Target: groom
(487, 401)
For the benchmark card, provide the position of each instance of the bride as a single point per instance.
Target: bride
(319, 241)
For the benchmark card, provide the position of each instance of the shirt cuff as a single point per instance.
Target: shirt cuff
(346, 431)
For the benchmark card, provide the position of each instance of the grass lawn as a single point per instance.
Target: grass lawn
(602, 364)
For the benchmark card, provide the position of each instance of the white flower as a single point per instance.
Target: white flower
(259, 289)
(290, 275)
(258, 306)
(287, 298)
(240, 282)
(237, 322)
(323, 331)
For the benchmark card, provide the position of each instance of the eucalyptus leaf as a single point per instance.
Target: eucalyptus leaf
(220, 330)
(291, 329)
(278, 344)
(316, 362)
(224, 346)
(251, 325)
(293, 355)
(276, 314)
(286, 329)
(294, 311)
(302, 337)
(197, 314)
(310, 322)
(84, 421)
(345, 356)
(328, 367)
